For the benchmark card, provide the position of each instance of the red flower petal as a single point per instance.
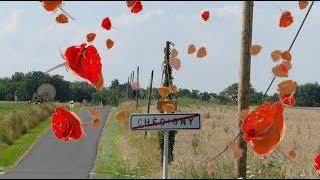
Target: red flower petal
(205, 15)
(137, 7)
(106, 23)
(286, 19)
(130, 3)
(51, 5)
(287, 100)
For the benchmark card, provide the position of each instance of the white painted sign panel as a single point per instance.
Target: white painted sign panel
(159, 121)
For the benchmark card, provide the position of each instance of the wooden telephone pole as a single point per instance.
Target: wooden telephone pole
(149, 99)
(130, 89)
(244, 81)
(137, 91)
(132, 95)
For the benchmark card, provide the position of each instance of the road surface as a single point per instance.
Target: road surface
(51, 158)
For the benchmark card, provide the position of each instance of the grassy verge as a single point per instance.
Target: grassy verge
(11, 154)
(123, 153)
(108, 164)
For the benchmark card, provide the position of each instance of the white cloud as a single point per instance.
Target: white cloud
(227, 11)
(128, 20)
(11, 23)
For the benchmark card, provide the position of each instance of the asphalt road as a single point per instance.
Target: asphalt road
(52, 159)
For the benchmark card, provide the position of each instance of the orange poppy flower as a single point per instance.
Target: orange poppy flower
(286, 55)
(168, 108)
(287, 100)
(264, 128)
(164, 91)
(303, 4)
(280, 70)
(109, 43)
(62, 19)
(205, 15)
(51, 5)
(286, 19)
(95, 122)
(121, 116)
(287, 87)
(90, 37)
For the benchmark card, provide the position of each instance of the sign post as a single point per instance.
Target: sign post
(165, 154)
(165, 122)
(71, 104)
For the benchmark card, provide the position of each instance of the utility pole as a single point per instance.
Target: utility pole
(130, 92)
(149, 99)
(244, 81)
(132, 83)
(166, 138)
(137, 91)
(128, 88)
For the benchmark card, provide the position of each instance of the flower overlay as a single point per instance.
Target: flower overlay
(85, 61)
(264, 128)
(66, 125)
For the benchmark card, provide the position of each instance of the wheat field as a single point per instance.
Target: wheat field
(195, 148)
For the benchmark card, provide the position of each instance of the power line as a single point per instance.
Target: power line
(294, 40)
(292, 43)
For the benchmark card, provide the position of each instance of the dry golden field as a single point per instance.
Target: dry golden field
(193, 148)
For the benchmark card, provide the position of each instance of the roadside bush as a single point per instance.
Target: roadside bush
(17, 122)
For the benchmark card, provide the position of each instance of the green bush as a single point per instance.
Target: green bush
(5, 136)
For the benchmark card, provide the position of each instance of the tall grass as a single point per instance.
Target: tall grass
(219, 126)
(18, 120)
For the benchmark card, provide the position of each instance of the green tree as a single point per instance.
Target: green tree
(308, 95)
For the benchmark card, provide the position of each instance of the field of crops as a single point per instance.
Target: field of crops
(5, 105)
(219, 126)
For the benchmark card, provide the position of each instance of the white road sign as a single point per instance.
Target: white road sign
(174, 121)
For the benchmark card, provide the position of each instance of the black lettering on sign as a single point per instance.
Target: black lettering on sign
(154, 120)
(190, 120)
(162, 121)
(139, 122)
(183, 121)
(175, 122)
(146, 122)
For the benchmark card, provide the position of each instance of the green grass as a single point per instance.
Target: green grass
(108, 164)
(12, 153)
(4, 106)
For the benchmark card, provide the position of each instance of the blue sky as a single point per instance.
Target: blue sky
(30, 40)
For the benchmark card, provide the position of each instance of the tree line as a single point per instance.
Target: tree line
(26, 84)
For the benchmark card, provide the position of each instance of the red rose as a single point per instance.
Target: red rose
(264, 128)
(317, 163)
(86, 63)
(137, 7)
(66, 125)
(106, 23)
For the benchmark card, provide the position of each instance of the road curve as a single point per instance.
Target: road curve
(55, 159)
